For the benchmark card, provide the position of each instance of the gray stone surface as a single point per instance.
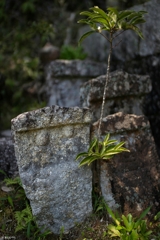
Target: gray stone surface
(130, 180)
(46, 144)
(64, 78)
(8, 162)
(125, 92)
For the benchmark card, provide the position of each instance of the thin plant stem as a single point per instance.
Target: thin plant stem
(118, 34)
(106, 84)
(105, 36)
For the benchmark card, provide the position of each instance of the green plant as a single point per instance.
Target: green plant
(61, 233)
(20, 211)
(69, 53)
(115, 23)
(104, 150)
(128, 228)
(26, 221)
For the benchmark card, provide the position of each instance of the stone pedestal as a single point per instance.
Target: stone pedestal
(125, 93)
(65, 77)
(46, 144)
(130, 180)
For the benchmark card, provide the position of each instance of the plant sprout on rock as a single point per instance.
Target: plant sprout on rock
(115, 23)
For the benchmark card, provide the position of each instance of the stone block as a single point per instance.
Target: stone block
(64, 79)
(46, 144)
(130, 180)
(8, 162)
(125, 92)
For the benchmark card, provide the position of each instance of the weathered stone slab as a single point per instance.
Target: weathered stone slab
(64, 78)
(130, 180)
(46, 144)
(8, 162)
(125, 92)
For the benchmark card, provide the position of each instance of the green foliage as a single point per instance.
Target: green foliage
(104, 150)
(24, 220)
(128, 228)
(61, 233)
(157, 216)
(111, 21)
(69, 53)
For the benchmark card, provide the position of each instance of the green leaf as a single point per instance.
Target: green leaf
(107, 137)
(138, 21)
(157, 216)
(110, 142)
(144, 213)
(29, 230)
(85, 35)
(129, 223)
(132, 16)
(97, 146)
(113, 231)
(10, 201)
(81, 155)
(87, 160)
(101, 20)
(110, 212)
(86, 13)
(83, 21)
(123, 15)
(113, 10)
(103, 148)
(134, 235)
(119, 145)
(100, 11)
(92, 145)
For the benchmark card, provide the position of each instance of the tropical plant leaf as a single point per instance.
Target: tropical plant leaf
(109, 142)
(100, 11)
(81, 155)
(107, 137)
(113, 231)
(10, 201)
(85, 35)
(123, 15)
(92, 144)
(129, 224)
(144, 213)
(113, 10)
(86, 13)
(110, 212)
(86, 160)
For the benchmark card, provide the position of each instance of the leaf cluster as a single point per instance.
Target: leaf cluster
(21, 210)
(128, 228)
(103, 150)
(26, 221)
(111, 21)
